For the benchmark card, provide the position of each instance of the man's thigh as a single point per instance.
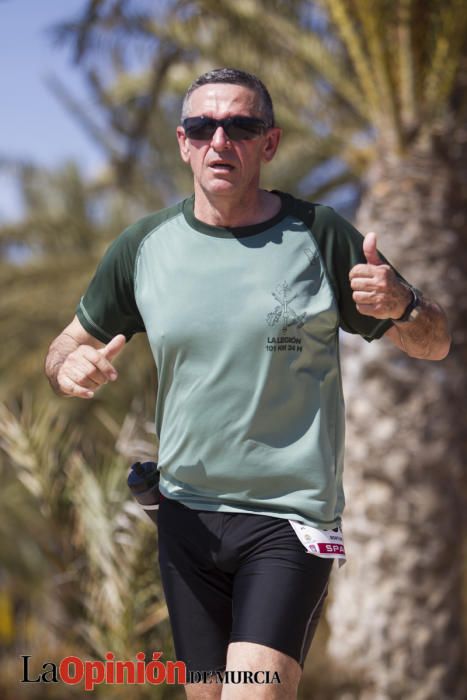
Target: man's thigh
(279, 591)
(277, 676)
(204, 691)
(281, 671)
(198, 595)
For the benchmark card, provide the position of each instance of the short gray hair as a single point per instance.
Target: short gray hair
(234, 76)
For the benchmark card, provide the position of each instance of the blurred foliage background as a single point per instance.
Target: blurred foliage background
(371, 96)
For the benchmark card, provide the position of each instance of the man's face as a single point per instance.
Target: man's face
(223, 167)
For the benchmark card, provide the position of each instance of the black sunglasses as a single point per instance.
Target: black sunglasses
(237, 128)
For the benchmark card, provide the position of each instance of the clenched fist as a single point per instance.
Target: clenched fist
(85, 369)
(377, 291)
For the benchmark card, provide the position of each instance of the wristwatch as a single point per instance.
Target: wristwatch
(412, 310)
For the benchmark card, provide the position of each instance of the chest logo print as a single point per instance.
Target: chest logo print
(284, 312)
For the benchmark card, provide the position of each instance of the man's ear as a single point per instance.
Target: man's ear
(183, 144)
(271, 143)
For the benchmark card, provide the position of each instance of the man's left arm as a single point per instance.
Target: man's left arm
(378, 292)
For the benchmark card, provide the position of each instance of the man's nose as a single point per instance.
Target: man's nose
(220, 138)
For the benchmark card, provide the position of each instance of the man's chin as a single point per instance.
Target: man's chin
(220, 185)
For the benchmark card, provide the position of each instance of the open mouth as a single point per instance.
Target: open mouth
(221, 167)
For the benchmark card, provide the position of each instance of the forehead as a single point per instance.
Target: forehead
(223, 99)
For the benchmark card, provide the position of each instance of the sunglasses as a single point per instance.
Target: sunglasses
(237, 128)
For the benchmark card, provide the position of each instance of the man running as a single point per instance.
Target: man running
(242, 293)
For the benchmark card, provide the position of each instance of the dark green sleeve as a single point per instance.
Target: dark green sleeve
(108, 306)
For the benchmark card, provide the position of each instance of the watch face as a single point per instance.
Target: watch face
(414, 307)
(415, 311)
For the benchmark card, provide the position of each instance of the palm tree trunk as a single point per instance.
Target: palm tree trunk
(396, 613)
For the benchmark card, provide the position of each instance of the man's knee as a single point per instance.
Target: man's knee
(203, 691)
(267, 674)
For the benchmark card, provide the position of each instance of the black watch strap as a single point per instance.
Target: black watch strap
(411, 306)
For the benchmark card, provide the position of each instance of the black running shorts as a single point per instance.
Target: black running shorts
(237, 577)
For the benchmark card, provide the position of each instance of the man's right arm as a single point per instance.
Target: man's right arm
(77, 364)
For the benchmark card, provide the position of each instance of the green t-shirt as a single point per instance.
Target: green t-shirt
(243, 324)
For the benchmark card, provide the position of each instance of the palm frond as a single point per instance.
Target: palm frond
(344, 23)
(83, 542)
(406, 66)
(446, 52)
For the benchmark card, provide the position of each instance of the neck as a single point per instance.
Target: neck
(243, 209)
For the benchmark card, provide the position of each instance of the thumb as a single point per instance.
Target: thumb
(111, 350)
(369, 249)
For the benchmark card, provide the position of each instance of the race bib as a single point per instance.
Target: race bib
(328, 544)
